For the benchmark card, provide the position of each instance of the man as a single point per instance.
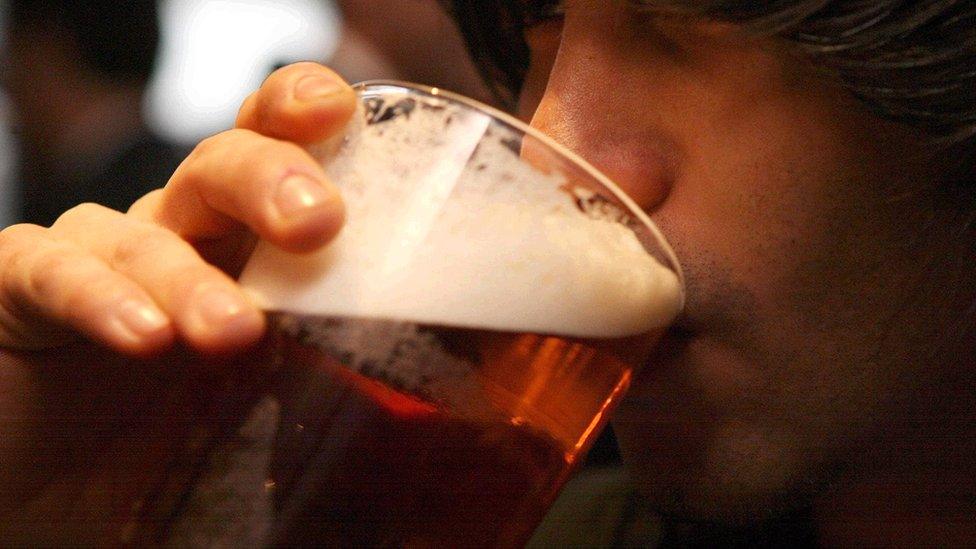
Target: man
(76, 75)
(812, 164)
(809, 374)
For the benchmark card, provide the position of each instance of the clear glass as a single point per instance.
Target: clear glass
(437, 372)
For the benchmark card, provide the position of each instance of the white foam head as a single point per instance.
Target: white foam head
(447, 225)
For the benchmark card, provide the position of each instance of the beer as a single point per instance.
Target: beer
(396, 433)
(391, 457)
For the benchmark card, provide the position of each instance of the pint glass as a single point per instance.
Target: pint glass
(442, 367)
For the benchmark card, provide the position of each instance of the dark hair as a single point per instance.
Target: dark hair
(115, 39)
(494, 35)
(910, 61)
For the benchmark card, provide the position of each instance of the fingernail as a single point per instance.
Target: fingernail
(218, 306)
(299, 193)
(141, 319)
(222, 320)
(317, 86)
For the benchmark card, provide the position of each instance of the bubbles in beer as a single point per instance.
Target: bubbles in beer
(402, 355)
(447, 224)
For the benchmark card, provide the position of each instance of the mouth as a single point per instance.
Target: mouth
(683, 327)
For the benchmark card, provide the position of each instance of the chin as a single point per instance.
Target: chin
(690, 453)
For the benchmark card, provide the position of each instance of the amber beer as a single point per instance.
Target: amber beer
(374, 451)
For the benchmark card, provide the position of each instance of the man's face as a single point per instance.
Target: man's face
(783, 198)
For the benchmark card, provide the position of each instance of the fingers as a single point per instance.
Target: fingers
(304, 102)
(256, 176)
(48, 283)
(135, 282)
(205, 306)
(238, 177)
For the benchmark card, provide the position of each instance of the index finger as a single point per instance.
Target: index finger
(304, 103)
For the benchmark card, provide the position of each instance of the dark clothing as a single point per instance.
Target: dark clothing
(145, 164)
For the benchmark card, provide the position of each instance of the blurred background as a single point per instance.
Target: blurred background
(101, 99)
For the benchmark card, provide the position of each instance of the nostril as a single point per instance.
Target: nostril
(643, 166)
(645, 171)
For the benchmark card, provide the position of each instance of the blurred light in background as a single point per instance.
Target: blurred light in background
(215, 52)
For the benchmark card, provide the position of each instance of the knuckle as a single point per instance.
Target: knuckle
(82, 213)
(193, 169)
(15, 235)
(47, 273)
(218, 144)
(206, 146)
(246, 113)
(237, 137)
(186, 175)
(12, 282)
(255, 155)
(18, 249)
(139, 242)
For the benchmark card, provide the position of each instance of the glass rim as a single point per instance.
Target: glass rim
(548, 141)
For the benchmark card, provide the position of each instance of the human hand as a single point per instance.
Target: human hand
(86, 431)
(163, 272)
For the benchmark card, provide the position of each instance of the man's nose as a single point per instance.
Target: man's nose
(638, 159)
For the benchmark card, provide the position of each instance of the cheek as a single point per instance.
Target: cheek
(774, 180)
